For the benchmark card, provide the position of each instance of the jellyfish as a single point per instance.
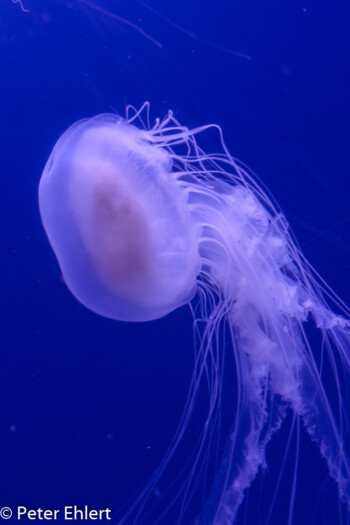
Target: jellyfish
(143, 221)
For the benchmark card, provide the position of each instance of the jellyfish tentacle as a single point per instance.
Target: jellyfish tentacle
(244, 455)
(20, 5)
(122, 20)
(325, 429)
(190, 34)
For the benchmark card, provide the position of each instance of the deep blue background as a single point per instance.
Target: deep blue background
(88, 405)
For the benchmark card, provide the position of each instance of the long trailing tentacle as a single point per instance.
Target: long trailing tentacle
(20, 5)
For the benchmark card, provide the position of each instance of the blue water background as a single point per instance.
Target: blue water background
(89, 405)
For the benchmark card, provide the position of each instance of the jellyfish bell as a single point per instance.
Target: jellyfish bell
(118, 221)
(142, 220)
